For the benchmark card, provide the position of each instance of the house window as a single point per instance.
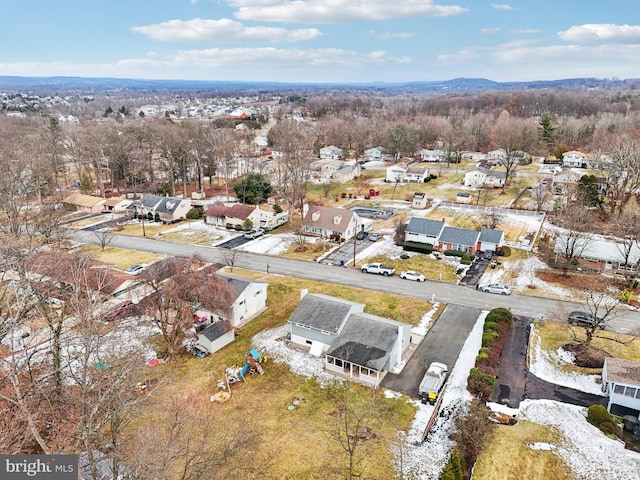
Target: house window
(330, 360)
(258, 292)
(630, 392)
(619, 389)
(308, 342)
(338, 362)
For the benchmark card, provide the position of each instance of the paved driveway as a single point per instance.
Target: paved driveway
(443, 344)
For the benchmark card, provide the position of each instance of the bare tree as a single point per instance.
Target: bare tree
(105, 236)
(628, 230)
(540, 194)
(492, 217)
(230, 256)
(573, 240)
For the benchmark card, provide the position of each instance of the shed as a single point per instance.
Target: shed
(463, 197)
(216, 336)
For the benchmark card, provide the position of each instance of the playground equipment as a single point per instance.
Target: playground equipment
(253, 359)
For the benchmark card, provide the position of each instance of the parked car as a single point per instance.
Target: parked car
(361, 235)
(495, 288)
(374, 237)
(135, 269)
(584, 319)
(255, 233)
(119, 310)
(412, 275)
(488, 254)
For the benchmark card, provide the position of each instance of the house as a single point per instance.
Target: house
(85, 203)
(621, 383)
(330, 222)
(605, 254)
(416, 174)
(396, 173)
(419, 200)
(215, 336)
(497, 156)
(463, 197)
(331, 152)
(249, 300)
(165, 209)
(565, 182)
(425, 155)
(376, 153)
(346, 173)
(421, 230)
(356, 344)
(459, 239)
(490, 239)
(232, 216)
(367, 347)
(574, 159)
(318, 319)
(483, 177)
(116, 205)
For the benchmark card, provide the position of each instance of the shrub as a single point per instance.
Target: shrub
(466, 259)
(418, 247)
(193, 214)
(505, 251)
(597, 415)
(490, 326)
(488, 337)
(277, 208)
(483, 354)
(454, 469)
(626, 296)
(499, 315)
(454, 253)
(480, 384)
(608, 428)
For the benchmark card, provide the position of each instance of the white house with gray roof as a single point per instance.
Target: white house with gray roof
(491, 239)
(421, 230)
(621, 383)
(355, 344)
(459, 239)
(483, 177)
(167, 209)
(439, 235)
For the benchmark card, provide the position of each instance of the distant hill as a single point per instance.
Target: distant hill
(86, 85)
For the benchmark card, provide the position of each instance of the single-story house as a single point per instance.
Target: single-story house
(356, 344)
(490, 239)
(216, 336)
(85, 203)
(116, 205)
(330, 222)
(396, 173)
(425, 155)
(564, 181)
(331, 152)
(367, 347)
(459, 239)
(574, 159)
(249, 300)
(318, 320)
(416, 174)
(621, 383)
(346, 173)
(419, 200)
(609, 255)
(232, 216)
(422, 230)
(482, 177)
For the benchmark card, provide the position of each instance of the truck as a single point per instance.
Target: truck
(432, 382)
(378, 268)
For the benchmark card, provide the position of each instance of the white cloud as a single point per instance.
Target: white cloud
(489, 31)
(222, 31)
(339, 11)
(501, 6)
(602, 32)
(387, 35)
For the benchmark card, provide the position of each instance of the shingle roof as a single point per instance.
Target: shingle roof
(217, 210)
(622, 371)
(240, 211)
(83, 200)
(461, 236)
(323, 312)
(149, 201)
(428, 227)
(217, 329)
(326, 218)
(492, 236)
(366, 340)
(237, 284)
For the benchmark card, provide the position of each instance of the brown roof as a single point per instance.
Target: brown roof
(113, 201)
(622, 371)
(240, 211)
(217, 210)
(83, 200)
(326, 218)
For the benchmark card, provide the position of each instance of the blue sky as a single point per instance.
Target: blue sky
(322, 41)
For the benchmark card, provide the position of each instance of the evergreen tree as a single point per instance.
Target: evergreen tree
(85, 185)
(547, 130)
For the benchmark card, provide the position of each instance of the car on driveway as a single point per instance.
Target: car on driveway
(584, 319)
(495, 288)
(374, 237)
(412, 275)
(255, 233)
(135, 269)
(361, 235)
(119, 310)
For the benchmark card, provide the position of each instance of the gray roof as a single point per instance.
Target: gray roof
(323, 312)
(168, 204)
(237, 284)
(428, 227)
(366, 340)
(461, 236)
(217, 329)
(149, 200)
(489, 235)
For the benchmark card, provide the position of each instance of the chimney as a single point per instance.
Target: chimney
(303, 292)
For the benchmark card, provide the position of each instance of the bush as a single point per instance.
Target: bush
(454, 253)
(466, 259)
(193, 214)
(597, 415)
(277, 208)
(505, 251)
(608, 428)
(480, 384)
(488, 337)
(454, 469)
(499, 315)
(418, 247)
(490, 326)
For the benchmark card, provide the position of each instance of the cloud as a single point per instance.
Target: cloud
(501, 6)
(339, 11)
(489, 31)
(602, 32)
(387, 35)
(222, 31)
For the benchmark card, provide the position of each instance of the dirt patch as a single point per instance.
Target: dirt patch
(586, 355)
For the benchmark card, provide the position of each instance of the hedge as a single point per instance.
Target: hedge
(418, 247)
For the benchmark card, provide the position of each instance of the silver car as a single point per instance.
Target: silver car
(411, 275)
(495, 288)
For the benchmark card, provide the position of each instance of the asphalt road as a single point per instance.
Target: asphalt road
(625, 321)
(443, 344)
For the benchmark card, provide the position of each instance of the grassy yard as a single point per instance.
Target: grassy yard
(120, 257)
(430, 268)
(298, 442)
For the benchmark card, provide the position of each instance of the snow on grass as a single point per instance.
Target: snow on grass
(275, 244)
(585, 449)
(544, 365)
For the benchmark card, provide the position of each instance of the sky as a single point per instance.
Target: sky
(321, 41)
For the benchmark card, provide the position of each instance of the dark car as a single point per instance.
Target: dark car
(361, 235)
(118, 310)
(584, 319)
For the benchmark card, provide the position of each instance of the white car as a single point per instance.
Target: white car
(255, 233)
(411, 275)
(135, 269)
(495, 288)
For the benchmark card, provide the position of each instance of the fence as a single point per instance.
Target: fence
(486, 208)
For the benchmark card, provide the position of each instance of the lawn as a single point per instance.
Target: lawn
(432, 269)
(121, 257)
(298, 442)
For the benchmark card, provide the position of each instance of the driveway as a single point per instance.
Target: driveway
(514, 382)
(443, 343)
